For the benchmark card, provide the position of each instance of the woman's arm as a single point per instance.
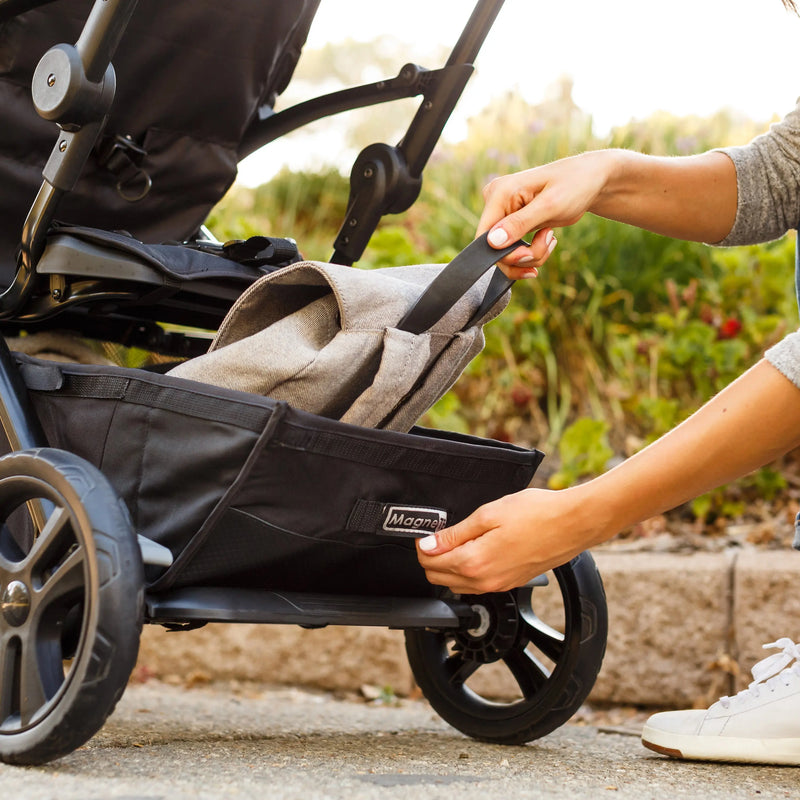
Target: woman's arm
(686, 197)
(506, 543)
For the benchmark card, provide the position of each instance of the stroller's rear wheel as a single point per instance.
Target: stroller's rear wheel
(528, 662)
(71, 595)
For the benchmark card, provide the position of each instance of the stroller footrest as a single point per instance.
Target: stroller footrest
(209, 604)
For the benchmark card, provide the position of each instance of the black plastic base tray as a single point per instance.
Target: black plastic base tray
(208, 604)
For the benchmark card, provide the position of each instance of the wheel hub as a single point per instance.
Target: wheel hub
(495, 631)
(16, 603)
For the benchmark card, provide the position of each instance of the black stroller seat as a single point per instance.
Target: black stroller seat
(135, 286)
(130, 497)
(152, 163)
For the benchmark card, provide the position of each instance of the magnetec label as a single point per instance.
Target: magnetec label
(413, 520)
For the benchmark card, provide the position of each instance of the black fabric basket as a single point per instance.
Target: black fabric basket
(247, 491)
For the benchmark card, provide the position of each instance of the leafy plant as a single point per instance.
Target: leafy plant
(584, 450)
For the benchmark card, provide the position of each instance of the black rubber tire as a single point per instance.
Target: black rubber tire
(442, 662)
(71, 604)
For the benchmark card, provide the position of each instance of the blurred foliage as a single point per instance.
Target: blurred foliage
(623, 335)
(306, 206)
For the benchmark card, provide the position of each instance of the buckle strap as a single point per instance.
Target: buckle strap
(123, 158)
(258, 251)
(266, 253)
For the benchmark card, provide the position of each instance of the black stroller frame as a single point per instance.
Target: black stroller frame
(77, 582)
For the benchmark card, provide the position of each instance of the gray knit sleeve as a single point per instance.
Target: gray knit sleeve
(768, 205)
(768, 182)
(785, 357)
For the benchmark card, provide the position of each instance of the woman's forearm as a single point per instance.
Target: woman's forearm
(750, 423)
(686, 197)
(507, 542)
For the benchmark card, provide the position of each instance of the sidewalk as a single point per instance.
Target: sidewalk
(221, 742)
(680, 627)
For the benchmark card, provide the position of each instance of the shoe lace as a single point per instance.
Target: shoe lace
(771, 669)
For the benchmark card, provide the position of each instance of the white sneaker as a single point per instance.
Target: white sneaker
(760, 725)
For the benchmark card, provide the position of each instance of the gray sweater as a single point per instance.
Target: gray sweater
(768, 182)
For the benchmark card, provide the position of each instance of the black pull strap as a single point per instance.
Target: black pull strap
(454, 280)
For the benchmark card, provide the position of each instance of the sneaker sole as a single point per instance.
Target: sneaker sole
(784, 752)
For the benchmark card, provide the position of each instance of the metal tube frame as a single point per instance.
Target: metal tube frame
(96, 45)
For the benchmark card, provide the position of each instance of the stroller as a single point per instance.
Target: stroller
(129, 496)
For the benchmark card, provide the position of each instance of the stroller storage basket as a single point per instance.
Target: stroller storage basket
(247, 491)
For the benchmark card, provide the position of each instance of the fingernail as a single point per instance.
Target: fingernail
(524, 260)
(531, 273)
(427, 544)
(549, 238)
(552, 245)
(498, 237)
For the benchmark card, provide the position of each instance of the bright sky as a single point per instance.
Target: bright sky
(627, 58)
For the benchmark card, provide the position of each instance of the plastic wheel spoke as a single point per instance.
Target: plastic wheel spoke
(9, 677)
(50, 545)
(529, 674)
(6, 568)
(459, 669)
(542, 636)
(65, 582)
(41, 676)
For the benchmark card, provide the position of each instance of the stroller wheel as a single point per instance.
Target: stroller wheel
(71, 599)
(528, 662)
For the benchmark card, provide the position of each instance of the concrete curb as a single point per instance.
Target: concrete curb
(684, 629)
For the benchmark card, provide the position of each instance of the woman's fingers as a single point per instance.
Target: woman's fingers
(509, 200)
(449, 538)
(457, 556)
(540, 199)
(524, 262)
(510, 213)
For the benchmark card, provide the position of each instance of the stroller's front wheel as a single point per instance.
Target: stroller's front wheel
(527, 663)
(71, 595)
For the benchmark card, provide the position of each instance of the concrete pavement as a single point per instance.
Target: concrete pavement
(681, 627)
(235, 741)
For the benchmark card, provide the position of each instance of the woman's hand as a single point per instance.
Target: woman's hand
(540, 199)
(506, 543)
